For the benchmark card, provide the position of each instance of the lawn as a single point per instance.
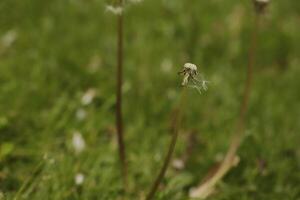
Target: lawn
(57, 85)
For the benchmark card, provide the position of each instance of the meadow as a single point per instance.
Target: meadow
(57, 88)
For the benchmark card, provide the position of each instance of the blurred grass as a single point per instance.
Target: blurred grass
(60, 49)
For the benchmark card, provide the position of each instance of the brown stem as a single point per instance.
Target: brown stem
(247, 91)
(207, 187)
(119, 118)
(175, 129)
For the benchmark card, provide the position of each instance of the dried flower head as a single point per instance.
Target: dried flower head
(260, 5)
(190, 74)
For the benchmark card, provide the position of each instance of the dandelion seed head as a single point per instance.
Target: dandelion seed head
(191, 77)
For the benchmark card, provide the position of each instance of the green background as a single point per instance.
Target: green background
(61, 48)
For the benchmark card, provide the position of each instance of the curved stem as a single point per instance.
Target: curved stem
(207, 187)
(240, 125)
(175, 129)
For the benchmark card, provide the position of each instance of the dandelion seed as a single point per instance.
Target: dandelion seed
(79, 179)
(204, 86)
(117, 10)
(190, 73)
(78, 142)
(88, 97)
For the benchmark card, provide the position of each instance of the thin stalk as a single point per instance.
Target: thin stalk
(240, 126)
(176, 121)
(119, 118)
(207, 187)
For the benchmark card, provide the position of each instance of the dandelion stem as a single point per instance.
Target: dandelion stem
(207, 187)
(119, 118)
(240, 126)
(176, 121)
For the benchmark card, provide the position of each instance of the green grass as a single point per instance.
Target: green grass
(47, 69)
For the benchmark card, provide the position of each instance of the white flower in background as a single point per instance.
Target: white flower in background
(190, 73)
(88, 97)
(78, 142)
(80, 114)
(117, 10)
(166, 65)
(79, 179)
(8, 38)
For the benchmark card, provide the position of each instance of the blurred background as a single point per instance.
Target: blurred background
(57, 98)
